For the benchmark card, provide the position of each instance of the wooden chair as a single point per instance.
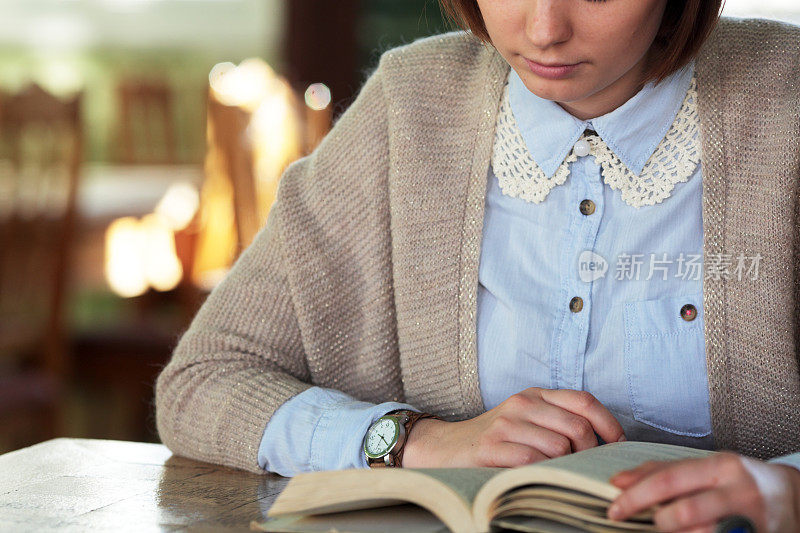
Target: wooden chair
(41, 144)
(124, 361)
(146, 122)
(233, 158)
(231, 155)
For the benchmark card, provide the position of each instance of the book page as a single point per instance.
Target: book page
(556, 494)
(529, 524)
(546, 521)
(554, 509)
(446, 492)
(404, 518)
(587, 471)
(602, 462)
(583, 502)
(466, 482)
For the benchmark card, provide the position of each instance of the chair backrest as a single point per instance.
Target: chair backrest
(146, 122)
(41, 144)
(227, 129)
(233, 151)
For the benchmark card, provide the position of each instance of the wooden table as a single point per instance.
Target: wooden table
(106, 485)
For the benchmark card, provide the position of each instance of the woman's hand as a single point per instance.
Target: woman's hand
(529, 426)
(696, 493)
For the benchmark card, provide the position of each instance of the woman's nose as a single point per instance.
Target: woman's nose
(548, 22)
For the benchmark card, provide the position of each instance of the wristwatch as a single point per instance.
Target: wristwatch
(386, 437)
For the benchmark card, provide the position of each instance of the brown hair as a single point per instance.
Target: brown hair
(684, 28)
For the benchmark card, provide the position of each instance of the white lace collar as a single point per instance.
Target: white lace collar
(674, 160)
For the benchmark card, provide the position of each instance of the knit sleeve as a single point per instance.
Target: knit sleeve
(243, 355)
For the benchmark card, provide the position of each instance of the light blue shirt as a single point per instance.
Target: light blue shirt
(628, 345)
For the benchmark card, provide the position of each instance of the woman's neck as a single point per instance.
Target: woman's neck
(608, 99)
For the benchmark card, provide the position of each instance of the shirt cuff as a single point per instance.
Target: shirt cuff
(319, 429)
(792, 459)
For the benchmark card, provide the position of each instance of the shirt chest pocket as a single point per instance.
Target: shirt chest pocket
(665, 364)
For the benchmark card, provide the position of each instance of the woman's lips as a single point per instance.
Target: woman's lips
(553, 73)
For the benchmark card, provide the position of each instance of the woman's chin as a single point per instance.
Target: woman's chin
(559, 91)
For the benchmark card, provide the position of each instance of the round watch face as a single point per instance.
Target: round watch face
(381, 437)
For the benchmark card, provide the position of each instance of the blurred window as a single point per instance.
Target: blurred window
(786, 10)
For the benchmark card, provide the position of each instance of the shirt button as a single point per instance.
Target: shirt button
(582, 148)
(587, 207)
(576, 304)
(688, 312)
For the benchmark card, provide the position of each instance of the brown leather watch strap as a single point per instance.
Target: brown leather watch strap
(412, 418)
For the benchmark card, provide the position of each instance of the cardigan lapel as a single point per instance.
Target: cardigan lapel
(714, 207)
(751, 165)
(472, 233)
(436, 221)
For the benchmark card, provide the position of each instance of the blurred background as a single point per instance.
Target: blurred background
(141, 143)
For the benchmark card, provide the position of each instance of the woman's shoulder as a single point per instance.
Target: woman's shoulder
(433, 45)
(755, 28)
(766, 38)
(444, 58)
(753, 50)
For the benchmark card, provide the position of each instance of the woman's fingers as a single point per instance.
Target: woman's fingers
(625, 478)
(678, 478)
(708, 528)
(546, 423)
(584, 404)
(511, 454)
(550, 443)
(574, 427)
(699, 510)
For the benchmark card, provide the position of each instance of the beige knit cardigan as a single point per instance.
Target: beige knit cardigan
(364, 277)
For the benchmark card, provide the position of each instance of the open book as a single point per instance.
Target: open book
(565, 494)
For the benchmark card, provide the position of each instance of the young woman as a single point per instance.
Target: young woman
(503, 231)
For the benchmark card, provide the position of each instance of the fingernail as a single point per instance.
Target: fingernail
(613, 511)
(622, 438)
